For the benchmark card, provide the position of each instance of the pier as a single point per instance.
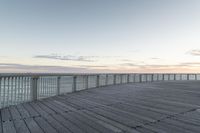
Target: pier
(100, 103)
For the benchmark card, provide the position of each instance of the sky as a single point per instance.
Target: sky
(53, 36)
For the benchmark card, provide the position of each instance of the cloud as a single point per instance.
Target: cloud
(12, 68)
(66, 58)
(190, 64)
(155, 58)
(93, 66)
(75, 57)
(158, 66)
(195, 52)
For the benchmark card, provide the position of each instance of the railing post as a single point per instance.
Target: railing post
(140, 78)
(106, 79)
(86, 81)
(97, 81)
(34, 87)
(163, 76)
(74, 83)
(146, 77)
(187, 76)
(195, 76)
(0, 92)
(58, 85)
(114, 79)
(128, 78)
(121, 78)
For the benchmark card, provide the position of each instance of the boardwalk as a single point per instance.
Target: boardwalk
(163, 107)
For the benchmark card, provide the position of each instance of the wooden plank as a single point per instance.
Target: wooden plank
(45, 108)
(46, 127)
(1, 124)
(111, 122)
(126, 121)
(14, 113)
(30, 110)
(38, 109)
(52, 107)
(23, 112)
(139, 111)
(6, 116)
(59, 127)
(73, 128)
(33, 126)
(91, 122)
(20, 126)
(83, 126)
(8, 127)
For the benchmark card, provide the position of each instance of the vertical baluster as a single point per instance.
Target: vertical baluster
(58, 85)
(114, 79)
(140, 78)
(42, 86)
(106, 79)
(46, 86)
(28, 88)
(4, 90)
(15, 98)
(97, 81)
(8, 92)
(128, 78)
(188, 76)
(22, 87)
(134, 78)
(12, 89)
(50, 86)
(86, 81)
(25, 89)
(0, 93)
(157, 77)
(74, 83)
(121, 78)
(34, 88)
(19, 90)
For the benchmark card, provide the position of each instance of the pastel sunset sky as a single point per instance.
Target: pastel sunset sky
(99, 36)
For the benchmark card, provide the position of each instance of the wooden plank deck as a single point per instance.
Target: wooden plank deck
(163, 107)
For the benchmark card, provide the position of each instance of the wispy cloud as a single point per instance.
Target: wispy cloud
(158, 66)
(81, 58)
(195, 52)
(155, 58)
(5, 67)
(93, 66)
(66, 58)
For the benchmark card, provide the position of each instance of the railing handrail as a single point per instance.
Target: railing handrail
(75, 74)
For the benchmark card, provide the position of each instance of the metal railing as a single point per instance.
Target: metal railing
(19, 88)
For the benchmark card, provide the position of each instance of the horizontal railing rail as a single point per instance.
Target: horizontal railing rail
(19, 88)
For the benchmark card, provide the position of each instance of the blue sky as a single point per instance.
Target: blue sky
(99, 36)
